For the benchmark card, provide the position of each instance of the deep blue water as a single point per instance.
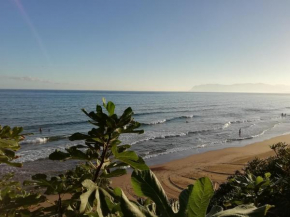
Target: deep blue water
(173, 122)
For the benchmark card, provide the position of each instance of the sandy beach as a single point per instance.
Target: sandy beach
(218, 165)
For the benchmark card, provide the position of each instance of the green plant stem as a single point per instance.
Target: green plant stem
(59, 206)
(102, 162)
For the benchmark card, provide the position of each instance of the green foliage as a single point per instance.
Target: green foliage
(102, 147)
(243, 210)
(199, 197)
(193, 201)
(146, 184)
(264, 181)
(250, 189)
(128, 157)
(98, 201)
(16, 202)
(103, 155)
(9, 143)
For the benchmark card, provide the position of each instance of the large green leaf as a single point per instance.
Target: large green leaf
(128, 208)
(146, 184)
(183, 201)
(90, 199)
(9, 153)
(129, 157)
(6, 160)
(126, 117)
(244, 211)
(8, 143)
(97, 201)
(200, 197)
(110, 108)
(130, 128)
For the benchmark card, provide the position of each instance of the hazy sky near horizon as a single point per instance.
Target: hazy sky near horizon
(164, 45)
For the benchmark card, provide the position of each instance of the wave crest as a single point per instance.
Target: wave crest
(42, 140)
(36, 141)
(169, 119)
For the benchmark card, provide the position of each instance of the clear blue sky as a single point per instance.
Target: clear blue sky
(166, 45)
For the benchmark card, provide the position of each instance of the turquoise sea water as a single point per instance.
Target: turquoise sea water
(175, 124)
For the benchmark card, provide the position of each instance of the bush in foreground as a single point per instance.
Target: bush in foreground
(263, 181)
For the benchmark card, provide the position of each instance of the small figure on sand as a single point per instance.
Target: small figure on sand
(40, 130)
(240, 132)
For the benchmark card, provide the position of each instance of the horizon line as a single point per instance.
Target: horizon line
(148, 91)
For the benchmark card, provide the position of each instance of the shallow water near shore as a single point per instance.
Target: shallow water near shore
(175, 124)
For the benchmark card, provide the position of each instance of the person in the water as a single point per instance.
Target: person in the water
(240, 132)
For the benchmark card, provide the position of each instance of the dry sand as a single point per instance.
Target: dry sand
(217, 165)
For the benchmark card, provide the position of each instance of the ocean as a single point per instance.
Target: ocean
(176, 124)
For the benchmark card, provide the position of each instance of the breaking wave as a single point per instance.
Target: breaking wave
(43, 140)
(159, 137)
(36, 141)
(252, 137)
(169, 119)
(226, 125)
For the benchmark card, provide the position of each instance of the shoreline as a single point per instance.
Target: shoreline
(217, 164)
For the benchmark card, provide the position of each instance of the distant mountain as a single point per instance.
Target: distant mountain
(242, 88)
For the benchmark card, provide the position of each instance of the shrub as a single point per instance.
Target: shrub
(14, 201)
(263, 181)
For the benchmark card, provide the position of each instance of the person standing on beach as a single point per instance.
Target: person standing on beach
(240, 132)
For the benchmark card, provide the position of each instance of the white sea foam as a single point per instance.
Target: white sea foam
(226, 125)
(168, 119)
(35, 141)
(162, 136)
(264, 131)
(158, 122)
(187, 116)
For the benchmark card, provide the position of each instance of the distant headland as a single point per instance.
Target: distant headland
(242, 88)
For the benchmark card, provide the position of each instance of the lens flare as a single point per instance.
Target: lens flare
(32, 28)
